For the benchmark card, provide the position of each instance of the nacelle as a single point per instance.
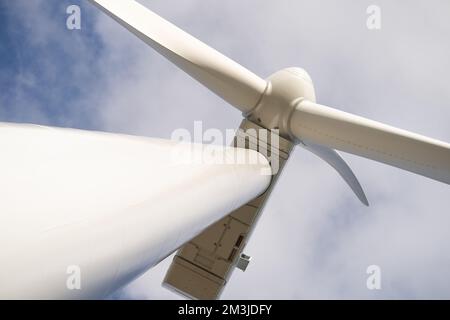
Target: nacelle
(285, 89)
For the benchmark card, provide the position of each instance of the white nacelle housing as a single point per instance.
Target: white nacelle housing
(285, 89)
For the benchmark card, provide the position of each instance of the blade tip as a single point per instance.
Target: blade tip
(365, 201)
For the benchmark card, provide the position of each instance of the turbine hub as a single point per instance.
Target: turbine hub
(285, 89)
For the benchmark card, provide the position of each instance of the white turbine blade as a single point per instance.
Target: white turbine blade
(111, 205)
(232, 82)
(370, 139)
(335, 160)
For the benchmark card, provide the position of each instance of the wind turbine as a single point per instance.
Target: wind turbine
(115, 206)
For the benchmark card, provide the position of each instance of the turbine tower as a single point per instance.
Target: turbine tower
(112, 206)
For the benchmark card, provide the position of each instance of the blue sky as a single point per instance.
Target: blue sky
(40, 62)
(314, 240)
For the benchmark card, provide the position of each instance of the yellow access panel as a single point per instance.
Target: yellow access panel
(203, 266)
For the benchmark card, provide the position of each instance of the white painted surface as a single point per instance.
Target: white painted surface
(114, 205)
(373, 140)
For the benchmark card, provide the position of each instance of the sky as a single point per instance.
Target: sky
(314, 240)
